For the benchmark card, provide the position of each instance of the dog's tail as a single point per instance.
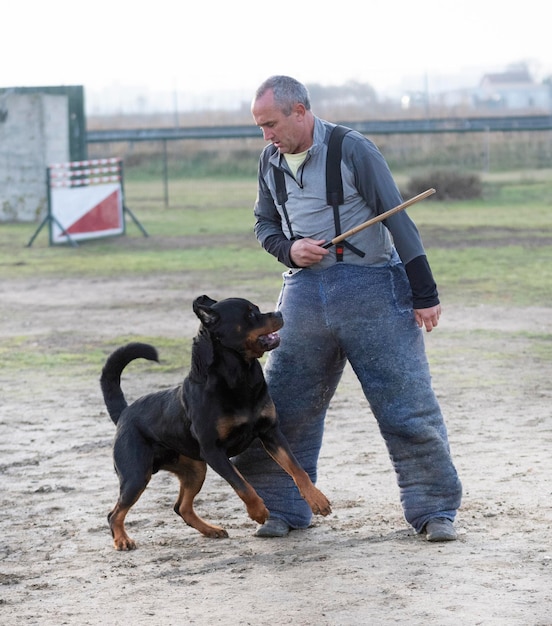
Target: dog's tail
(110, 380)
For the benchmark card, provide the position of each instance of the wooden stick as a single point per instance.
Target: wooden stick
(379, 218)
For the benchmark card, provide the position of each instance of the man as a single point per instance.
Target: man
(365, 303)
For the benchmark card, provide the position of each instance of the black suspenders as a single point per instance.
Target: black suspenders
(281, 195)
(334, 188)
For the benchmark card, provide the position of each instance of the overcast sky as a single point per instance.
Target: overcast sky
(198, 48)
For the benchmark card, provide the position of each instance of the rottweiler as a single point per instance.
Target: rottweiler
(222, 405)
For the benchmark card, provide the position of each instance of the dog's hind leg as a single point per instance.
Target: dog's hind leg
(134, 468)
(129, 495)
(121, 541)
(191, 474)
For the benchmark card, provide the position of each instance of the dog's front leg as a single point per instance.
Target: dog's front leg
(218, 461)
(278, 448)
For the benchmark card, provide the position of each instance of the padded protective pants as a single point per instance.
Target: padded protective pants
(363, 315)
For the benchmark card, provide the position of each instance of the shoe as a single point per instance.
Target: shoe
(440, 529)
(273, 527)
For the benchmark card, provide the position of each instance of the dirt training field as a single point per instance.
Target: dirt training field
(361, 565)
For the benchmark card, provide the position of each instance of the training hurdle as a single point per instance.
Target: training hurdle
(85, 201)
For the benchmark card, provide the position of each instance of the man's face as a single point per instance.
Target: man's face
(289, 133)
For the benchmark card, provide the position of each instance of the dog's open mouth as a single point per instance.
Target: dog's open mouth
(270, 341)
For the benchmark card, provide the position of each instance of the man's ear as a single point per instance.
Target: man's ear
(299, 110)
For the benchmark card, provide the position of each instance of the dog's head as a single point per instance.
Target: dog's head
(239, 325)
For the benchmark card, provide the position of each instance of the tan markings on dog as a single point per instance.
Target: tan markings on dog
(253, 348)
(269, 410)
(255, 334)
(225, 425)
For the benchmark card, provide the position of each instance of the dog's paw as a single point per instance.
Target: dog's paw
(124, 544)
(258, 513)
(319, 504)
(214, 532)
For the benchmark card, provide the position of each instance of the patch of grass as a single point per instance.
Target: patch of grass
(502, 348)
(54, 353)
(515, 275)
(48, 354)
(109, 260)
(491, 213)
(521, 192)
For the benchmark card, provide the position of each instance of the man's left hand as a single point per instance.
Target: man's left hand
(428, 317)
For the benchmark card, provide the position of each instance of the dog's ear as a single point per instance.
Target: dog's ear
(204, 300)
(202, 308)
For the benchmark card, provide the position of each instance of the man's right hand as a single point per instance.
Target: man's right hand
(305, 252)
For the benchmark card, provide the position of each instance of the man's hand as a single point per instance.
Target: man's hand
(428, 317)
(305, 252)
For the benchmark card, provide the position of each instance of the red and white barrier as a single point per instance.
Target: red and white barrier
(85, 200)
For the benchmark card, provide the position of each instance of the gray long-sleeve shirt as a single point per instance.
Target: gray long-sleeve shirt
(368, 188)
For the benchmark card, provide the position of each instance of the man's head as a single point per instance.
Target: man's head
(281, 109)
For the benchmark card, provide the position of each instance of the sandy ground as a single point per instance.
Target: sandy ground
(362, 565)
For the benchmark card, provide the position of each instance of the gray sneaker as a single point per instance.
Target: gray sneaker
(273, 527)
(440, 529)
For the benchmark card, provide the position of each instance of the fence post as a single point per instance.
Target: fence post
(487, 150)
(165, 174)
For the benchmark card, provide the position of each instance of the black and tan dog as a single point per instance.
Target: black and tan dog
(220, 408)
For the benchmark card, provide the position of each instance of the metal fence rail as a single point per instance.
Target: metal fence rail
(376, 127)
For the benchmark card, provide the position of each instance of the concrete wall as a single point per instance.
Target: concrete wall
(34, 133)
